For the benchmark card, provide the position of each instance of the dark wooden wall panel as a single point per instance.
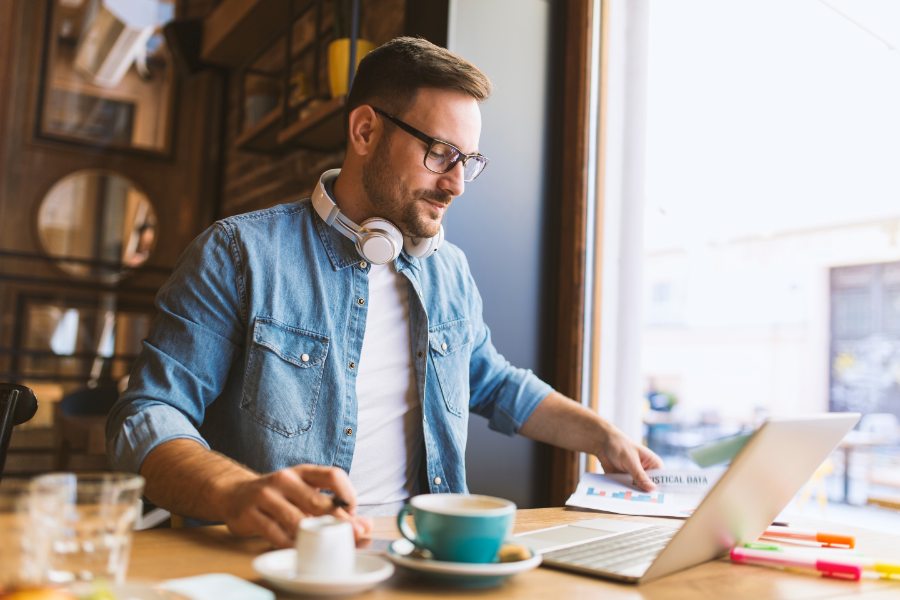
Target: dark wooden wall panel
(7, 49)
(197, 8)
(428, 19)
(181, 187)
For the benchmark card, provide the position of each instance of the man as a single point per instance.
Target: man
(283, 362)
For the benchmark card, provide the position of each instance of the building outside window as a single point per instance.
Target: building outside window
(771, 248)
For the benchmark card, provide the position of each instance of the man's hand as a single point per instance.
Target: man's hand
(186, 478)
(559, 421)
(272, 505)
(618, 454)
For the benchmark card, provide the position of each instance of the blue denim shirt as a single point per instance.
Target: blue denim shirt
(255, 349)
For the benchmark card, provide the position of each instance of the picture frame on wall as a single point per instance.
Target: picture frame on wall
(108, 80)
(77, 338)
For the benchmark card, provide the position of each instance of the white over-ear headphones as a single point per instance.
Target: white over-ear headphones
(377, 240)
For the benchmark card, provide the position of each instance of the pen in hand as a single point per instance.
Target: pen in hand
(361, 526)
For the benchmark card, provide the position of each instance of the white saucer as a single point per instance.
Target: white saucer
(467, 574)
(278, 568)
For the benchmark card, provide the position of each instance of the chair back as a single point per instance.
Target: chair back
(17, 405)
(89, 401)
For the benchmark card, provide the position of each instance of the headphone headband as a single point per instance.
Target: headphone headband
(378, 240)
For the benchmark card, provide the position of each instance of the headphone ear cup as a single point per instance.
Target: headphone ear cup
(382, 243)
(423, 247)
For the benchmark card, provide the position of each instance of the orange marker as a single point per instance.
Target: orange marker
(828, 539)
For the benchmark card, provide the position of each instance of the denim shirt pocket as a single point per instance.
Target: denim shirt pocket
(451, 349)
(284, 376)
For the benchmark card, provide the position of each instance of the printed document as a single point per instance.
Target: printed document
(678, 492)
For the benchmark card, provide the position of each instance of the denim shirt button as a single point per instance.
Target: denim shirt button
(437, 481)
(363, 265)
(304, 357)
(444, 347)
(352, 365)
(349, 431)
(360, 301)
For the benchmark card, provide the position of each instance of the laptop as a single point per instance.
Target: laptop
(763, 478)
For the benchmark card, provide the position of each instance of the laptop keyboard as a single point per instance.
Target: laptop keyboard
(617, 554)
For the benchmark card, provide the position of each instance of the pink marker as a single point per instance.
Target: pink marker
(828, 568)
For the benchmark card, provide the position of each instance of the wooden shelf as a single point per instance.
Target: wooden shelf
(263, 136)
(322, 129)
(236, 29)
(892, 503)
(326, 37)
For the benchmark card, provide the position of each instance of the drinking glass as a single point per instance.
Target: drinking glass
(24, 544)
(97, 515)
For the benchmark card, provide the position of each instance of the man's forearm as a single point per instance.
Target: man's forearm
(564, 423)
(560, 421)
(189, 480)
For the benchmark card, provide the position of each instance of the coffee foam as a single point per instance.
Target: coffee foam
(473, 504)
(461, 504)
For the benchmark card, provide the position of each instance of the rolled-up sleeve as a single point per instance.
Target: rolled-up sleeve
(503, 394)
(185, 360)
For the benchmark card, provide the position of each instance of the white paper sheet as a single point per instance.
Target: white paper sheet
(678, 492)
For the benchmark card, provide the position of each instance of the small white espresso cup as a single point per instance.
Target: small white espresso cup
(325, 547)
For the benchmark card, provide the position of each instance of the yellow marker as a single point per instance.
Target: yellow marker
(885, 569)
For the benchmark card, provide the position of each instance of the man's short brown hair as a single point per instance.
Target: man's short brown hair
(390, 76)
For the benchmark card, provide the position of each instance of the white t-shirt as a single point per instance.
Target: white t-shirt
(389, 418)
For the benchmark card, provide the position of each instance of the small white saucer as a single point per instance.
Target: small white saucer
(278, 568)
(464, 574)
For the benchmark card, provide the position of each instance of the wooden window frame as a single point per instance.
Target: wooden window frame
(573, 193)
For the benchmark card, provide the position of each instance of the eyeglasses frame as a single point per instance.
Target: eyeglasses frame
(463, 157)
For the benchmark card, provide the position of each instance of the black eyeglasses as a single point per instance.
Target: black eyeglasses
(442, 156)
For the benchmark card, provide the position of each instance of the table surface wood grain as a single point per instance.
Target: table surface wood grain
(169, 553)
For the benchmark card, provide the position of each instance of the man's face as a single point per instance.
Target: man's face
(395, 179)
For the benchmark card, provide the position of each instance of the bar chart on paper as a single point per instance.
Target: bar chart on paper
(629, 496)
(678, 492)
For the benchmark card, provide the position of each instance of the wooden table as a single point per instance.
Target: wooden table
(169, 553)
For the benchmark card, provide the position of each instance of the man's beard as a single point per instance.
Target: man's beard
(393, 200)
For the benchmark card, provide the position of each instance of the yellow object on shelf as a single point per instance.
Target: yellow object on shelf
(339, 61)
(890, 503)
(300, 89)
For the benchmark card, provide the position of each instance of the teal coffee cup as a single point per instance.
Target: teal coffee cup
(458, 527)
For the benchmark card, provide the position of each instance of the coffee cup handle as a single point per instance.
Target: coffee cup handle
(403, 526)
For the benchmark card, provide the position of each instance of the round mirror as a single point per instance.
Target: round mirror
(98, 220)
